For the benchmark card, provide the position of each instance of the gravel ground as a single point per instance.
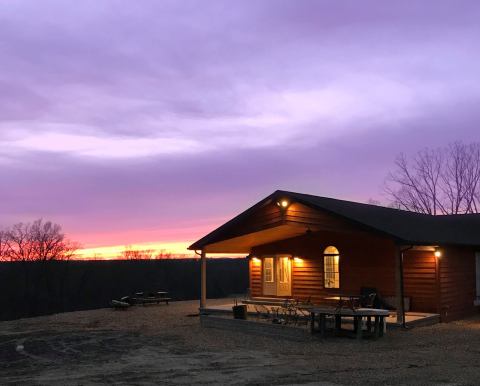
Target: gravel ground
(163, 345)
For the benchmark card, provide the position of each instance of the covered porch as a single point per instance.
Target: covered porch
(412, 319)
(301, 253)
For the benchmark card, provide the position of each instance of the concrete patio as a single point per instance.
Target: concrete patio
(412, 319)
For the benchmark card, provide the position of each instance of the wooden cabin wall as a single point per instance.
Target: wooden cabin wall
(420, 280)
(307, 279)
(366, 260)
(300, 214)
(457, 283)
(255, 267)
(264, 217)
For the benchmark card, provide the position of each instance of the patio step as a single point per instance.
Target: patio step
(265, 301)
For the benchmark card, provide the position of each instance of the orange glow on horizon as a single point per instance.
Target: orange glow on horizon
(170, 250)
(109, 245)
(176, 249)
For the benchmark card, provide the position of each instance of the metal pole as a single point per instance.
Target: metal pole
(399, 286)
(402, 290)
(203, 280)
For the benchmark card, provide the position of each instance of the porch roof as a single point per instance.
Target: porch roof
(403, 226)
(244, 243)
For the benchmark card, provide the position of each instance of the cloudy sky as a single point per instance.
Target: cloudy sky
(145, 121)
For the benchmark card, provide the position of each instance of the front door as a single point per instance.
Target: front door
(268, 276)
(277, 276)
(284, 274)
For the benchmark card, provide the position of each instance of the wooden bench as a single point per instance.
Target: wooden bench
(319, 315)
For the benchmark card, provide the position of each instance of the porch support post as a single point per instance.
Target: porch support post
(399, 291)
(203, 280)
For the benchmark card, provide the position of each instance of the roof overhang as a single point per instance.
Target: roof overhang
(244, 243)
(260, 224)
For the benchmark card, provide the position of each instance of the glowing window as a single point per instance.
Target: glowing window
(268, 269)
(331, 267)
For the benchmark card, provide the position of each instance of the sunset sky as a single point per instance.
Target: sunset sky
(152, 122)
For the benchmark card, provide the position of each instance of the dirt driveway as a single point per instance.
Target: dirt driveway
(162, 345)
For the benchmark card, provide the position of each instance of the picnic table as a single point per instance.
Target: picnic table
(152, 297)
(319, 314)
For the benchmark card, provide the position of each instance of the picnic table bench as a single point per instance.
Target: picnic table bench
(150, 298)
(319, 314)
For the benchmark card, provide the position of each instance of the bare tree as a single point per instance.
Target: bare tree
(461, 178)
(3, 245)
(37, 241)
(437, 181)
(42, 242)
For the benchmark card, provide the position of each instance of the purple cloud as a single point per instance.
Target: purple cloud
(127, 117)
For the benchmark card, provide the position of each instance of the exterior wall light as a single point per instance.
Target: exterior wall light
(437, 253)
(282, 203)
(255, 260)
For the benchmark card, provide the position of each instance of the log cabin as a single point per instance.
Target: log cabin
(309, 247)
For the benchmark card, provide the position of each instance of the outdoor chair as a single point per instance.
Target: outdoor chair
(368, 297)
(262, 312)
(303, 316)
(377, 302)
(368, 301)
(305, 302)
(289, 312)
(295, 312)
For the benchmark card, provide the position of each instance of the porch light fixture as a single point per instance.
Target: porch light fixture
(437, 253)
(255, 259)
(282, 203)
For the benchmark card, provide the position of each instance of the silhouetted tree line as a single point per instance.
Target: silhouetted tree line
(81, 285)
(145, 254)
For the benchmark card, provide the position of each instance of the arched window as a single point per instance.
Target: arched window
(331, 267)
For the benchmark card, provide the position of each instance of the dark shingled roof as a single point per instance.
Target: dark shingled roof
(404, 226)
(416, 228)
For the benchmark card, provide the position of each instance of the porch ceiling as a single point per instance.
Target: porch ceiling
(244, 243)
